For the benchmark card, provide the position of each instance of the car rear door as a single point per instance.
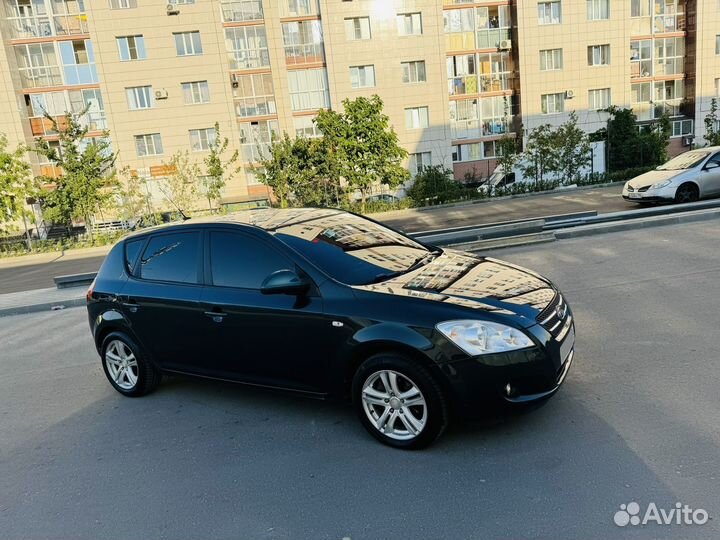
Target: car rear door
(161, 299)
(276, 340)
(710, 176)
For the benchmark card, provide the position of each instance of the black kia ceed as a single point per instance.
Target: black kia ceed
(332, 305)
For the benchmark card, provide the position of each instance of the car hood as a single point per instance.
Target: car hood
(652, 177)
(474, 282)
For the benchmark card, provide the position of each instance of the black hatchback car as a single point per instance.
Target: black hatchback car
(330, 304)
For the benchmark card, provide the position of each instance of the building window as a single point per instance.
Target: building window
(552, 103)
(202, 139)
(301, 8)
(416, 118)
(241, 10)
(306, 127)
(599, 99)
(140, 97)
(303, 42)
(493, 25)
(486, 117)
(467, 152)
(188, 43)
(148, 145)
(551, 59)
(254, 95)
(598, 55)
(255, 139)
(38, 66)
(409, 24)
(598, 10)
(131, 48)
(459, 25)
(418, 161)
(309, 89)
(650, 100)
(123, 4)
(78, 62)
(462, 74)
(357, 28)
(717, 44)
(549, 13)
(247, 47)
(413, 72)
(196, 92)
(682, 128)
(640, 8)
(717, 88)
(362, 76)
(641, 63)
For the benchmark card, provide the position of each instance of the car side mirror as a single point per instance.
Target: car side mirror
(284, 282)
(711, 165)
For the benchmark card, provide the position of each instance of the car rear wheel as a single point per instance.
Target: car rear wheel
(687, 193)
(127, 369)
(399, 402)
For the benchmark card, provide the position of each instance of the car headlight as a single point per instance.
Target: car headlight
(661, 185)
(482, 337)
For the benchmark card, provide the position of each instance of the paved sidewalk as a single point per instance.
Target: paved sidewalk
(41, 300)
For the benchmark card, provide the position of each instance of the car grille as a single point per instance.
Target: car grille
(555, 318)
(639, 190)
(643, 189)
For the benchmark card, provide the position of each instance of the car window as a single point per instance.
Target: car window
(242, 261)
(171, 257)
(714, 159)
(132, 250)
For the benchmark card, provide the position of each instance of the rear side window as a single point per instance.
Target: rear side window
(241, 261)
(172, 257)
(132, 250)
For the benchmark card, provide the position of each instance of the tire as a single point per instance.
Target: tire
(687, 193)
(126, 367)
(395, 378)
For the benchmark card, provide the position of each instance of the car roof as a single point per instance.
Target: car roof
(268, 219)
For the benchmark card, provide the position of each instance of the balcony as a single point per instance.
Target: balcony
(311, 53)
(669, 23)
(39, 77)
(71, 25)
(242, 10)
(41, 126)
(30, 27)
(249, 107)
(480, 84)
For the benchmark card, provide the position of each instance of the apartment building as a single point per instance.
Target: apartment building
(455, 76)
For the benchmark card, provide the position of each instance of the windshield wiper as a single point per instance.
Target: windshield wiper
(417, 263)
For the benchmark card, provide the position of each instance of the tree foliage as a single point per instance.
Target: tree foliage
(87, 182)
(434, 183)
(365, 146)
(628, 146)
(16, 184)
(133, 198)
(180, 185)
(712, 125)
(219, 170)
(508, 150)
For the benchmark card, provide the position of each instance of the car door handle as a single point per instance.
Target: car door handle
(131, 305)
(216, 316)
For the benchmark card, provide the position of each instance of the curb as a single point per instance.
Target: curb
(47, 306)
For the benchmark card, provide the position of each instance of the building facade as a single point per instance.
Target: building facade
(455, 76)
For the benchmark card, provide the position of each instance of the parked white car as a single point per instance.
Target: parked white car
(685, 178)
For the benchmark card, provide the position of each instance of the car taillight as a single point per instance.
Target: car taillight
(91, 288)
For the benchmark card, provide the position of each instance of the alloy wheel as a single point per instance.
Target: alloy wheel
(394, 405)
(121, 364)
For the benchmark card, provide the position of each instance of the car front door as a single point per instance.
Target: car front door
(162, 298)
(278, 340)
(710, 176)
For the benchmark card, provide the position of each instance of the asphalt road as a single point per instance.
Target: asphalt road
(608, 199)
(637, 420)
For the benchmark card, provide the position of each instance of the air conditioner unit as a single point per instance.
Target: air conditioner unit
(505, 44)
(569, 94)
(172, 9)
(234, 81)
(161, 94)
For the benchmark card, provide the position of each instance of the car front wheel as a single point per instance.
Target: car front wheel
(128, 371)
(399, 402)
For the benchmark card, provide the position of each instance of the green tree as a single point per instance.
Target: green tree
(434, 183)
(219, 170)
(133, 198)
(540, 153)
(180, 185)
(16, 184)
(712, 125)
(508, 150)
(87, 183)
(571, 148)
(365, 145)
(280, 167)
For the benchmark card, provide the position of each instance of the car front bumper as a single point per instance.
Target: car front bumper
(477, 384)
(651, 195)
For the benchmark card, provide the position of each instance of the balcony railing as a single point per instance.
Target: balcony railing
(489, 39)
(659, 67)
(669, 23)
(250, 59)
(248, 107)
(479, 84)
(71, 25)
(242, 11)
(474, 128)
(311, 53)
(31, 27)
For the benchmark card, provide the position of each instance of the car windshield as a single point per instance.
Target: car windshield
(688, 160)
(352, 249)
